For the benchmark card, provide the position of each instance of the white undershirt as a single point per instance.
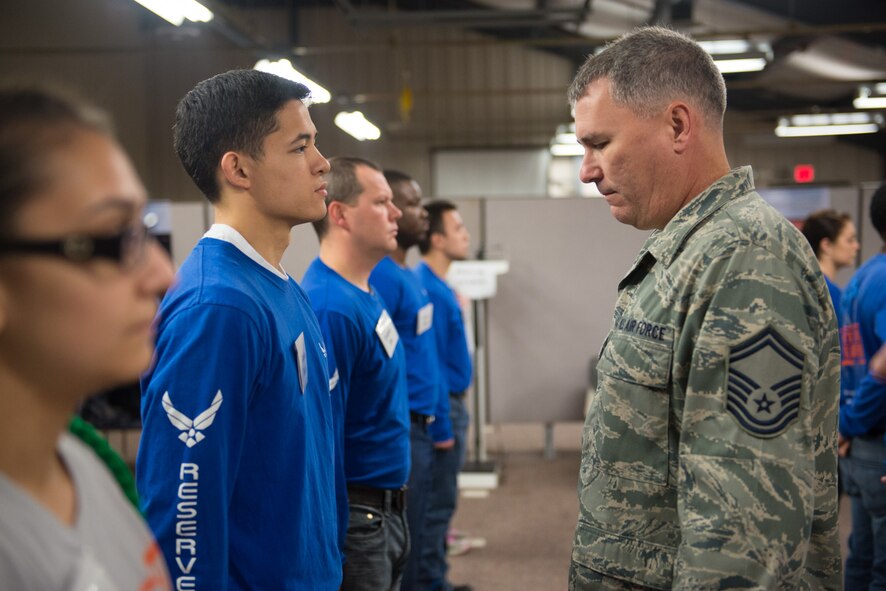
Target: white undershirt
(226, 233)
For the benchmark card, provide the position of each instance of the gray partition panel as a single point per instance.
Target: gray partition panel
(553, 309)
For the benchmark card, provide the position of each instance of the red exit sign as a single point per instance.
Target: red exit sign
(804, 173)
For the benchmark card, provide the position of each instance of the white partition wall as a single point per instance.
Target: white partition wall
(554, 307)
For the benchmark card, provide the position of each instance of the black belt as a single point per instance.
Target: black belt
(377, 498)
(458, 394)
(420, 419)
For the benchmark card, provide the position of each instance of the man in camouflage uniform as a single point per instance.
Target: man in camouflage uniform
(709, 452)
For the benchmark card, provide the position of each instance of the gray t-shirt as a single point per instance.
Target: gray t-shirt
(109, 548)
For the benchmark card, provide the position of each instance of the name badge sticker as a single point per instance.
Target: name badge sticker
(425, 319)
(387, 333)
(301, 359)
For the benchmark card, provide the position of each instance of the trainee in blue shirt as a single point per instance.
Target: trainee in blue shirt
(370, 400)
(456, 367)
(411, 309)
(235, 465)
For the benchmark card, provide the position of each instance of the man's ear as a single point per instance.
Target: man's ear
(235, 170)
(335, 214)
(436, 240)
(681, 121)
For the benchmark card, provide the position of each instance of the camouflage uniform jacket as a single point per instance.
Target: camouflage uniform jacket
(709, 452)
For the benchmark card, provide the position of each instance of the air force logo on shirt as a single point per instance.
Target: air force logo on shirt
(764, 383)
(191, 430)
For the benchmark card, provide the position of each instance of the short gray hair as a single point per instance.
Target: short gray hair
(342, 184)
(651, 66)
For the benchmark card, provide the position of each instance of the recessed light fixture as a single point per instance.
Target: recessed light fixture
(285, 69)
(176, 11)
(828, 124)
(738, 55)
(871, 96)
(357, 125)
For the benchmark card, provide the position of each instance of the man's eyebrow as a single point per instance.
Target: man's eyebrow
(304, 137)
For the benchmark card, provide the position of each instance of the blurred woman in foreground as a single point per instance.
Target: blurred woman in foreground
(79, 285)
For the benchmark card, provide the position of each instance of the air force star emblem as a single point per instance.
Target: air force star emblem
(191, 430)
(764, 383)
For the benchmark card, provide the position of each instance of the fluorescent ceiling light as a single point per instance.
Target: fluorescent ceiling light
(284, 69)
(732, 66)
(176, 11)
(871, 97)
(565, 143)
(355, 124)
(567, 150)
(828, 124)
(738, 55)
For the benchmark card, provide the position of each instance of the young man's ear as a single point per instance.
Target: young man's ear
(436, 239)
(235, 170)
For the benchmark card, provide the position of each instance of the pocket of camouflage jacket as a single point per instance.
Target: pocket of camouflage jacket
(632, 409)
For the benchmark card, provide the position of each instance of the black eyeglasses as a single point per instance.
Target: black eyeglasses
(127, 249)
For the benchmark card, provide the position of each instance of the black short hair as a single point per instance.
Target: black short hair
(825, 223)
(395, 176)
(878, 211)
(35, 121)
(342, 185)
(435, 210)
(233, 111)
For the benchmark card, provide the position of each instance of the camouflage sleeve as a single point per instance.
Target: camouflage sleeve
(757, 502)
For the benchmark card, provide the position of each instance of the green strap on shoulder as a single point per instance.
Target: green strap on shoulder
(88, 435)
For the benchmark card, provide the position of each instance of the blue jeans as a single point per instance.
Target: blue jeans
(419, 487)
(441, 504)
(376, 548)
(866, 562)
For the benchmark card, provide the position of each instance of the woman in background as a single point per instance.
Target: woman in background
(79, 285)
(835, 243)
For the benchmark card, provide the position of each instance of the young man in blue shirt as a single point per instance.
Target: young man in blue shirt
(413, 315)
(863, 412)
(235, 466)
(368, 374)
(447, 240)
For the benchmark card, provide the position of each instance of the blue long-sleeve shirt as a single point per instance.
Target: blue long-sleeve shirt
(368, 386)
(235, 465)
(456, 367)
(863, 401)
(412, 312)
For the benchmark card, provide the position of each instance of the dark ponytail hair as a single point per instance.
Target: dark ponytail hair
(35, 121)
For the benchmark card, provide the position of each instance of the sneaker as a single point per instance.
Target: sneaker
(457, 546)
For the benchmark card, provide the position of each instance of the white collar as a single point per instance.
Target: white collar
(226, 233)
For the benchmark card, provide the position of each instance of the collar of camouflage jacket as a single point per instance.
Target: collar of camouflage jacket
(664, 244)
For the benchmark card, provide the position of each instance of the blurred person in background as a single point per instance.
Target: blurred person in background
(834, 241)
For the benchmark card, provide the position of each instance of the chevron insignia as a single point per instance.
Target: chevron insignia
(191, 430)
(764, 383)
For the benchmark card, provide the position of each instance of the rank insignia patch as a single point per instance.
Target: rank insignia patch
(764, 383)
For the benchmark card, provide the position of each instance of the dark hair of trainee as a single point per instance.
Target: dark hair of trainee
(233, 111)
(878, 211)
(34, 122)
(435, 210)
(826, 223)
(652, 66)
(342, 185)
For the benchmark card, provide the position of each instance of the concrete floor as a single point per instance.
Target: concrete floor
(528, 521)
